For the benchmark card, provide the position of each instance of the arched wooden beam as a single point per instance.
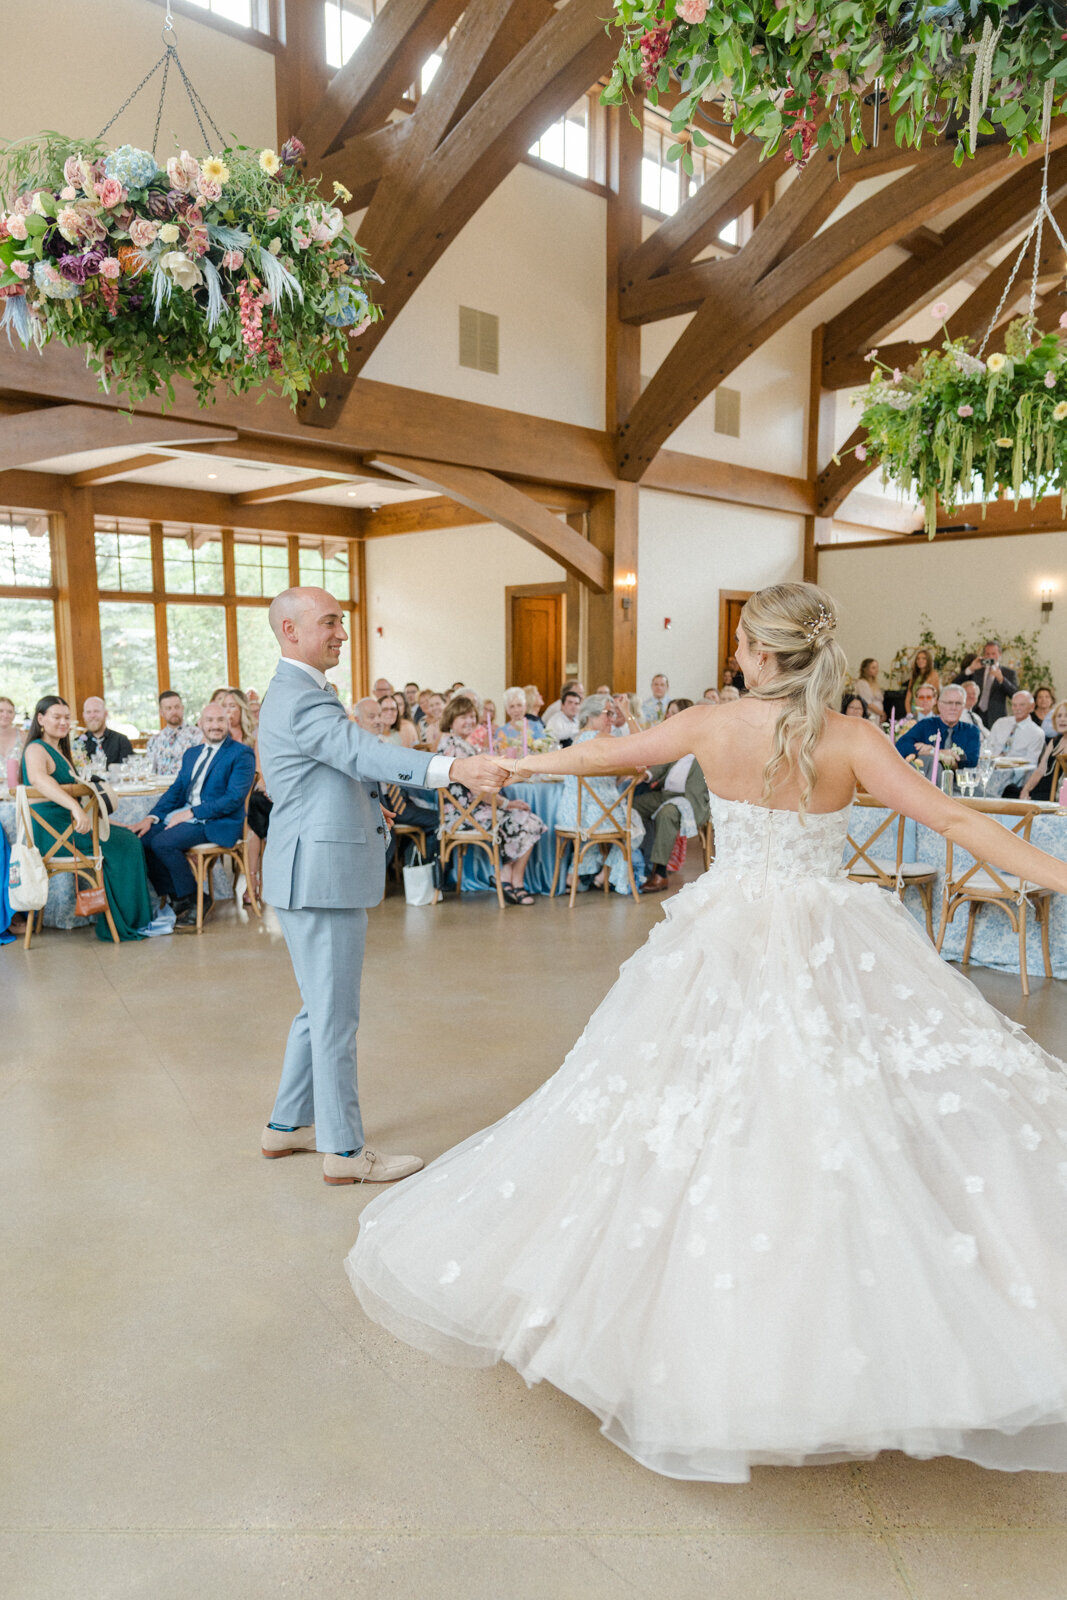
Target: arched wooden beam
(42, 433)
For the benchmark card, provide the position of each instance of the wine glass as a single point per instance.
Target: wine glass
(985, 770)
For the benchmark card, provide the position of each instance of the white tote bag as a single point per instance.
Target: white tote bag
(418, 882)
(27, 879)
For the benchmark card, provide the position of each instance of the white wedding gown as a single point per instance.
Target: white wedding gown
(797, 1194)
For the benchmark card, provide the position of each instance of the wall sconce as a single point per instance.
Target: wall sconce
(1046, 602)
(628, 583)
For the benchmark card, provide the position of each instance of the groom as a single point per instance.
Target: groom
(324, 865)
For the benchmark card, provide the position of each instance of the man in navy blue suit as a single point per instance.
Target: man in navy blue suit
(205, 804)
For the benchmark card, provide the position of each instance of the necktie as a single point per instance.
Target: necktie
(199, 771)
(987, 684)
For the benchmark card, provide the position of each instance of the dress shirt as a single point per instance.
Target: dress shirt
(437, 773)
(678, 776)
(1024, 739)
(562, 727)
(652, 710)
(200, 771)
(166, 748)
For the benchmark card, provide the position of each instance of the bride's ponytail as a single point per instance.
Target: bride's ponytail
(796, 623)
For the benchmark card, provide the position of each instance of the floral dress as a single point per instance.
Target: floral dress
(605, 789)
(519, 830)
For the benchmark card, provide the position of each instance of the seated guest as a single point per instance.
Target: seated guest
(534, 703)
(166, 748)
(960, 744)
(204, 805)
(729, 691)
(48, 764)
(415, 808)
(996, 682)
(1017, 735)
(98, 736)
(431, 727)
(868, 690)
(924, 704)
(241, 717)
(10, 733)
(1038, 785)
(625, 714)
(381, 686)
(368, 713)
(519, 829)
(852, 705)
(923, 671)
(675, 706)
(411, 701)
(563, 724)
(734, 678)
(515, 727)
(655, 707)
(1044, 700)
(971, 713)
(676, 798)
(397, 726)
(595, 721)
(711, 696)
(572, 686)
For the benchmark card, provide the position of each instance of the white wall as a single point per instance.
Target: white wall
(439, 600)
(689, 549)
(71, 64)
(882, 589)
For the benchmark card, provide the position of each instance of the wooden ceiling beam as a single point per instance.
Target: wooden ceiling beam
(676, 473)
(418, 516)
(117, 469)
(39, 434)
(501, 502)
(840, 477)
(150, 502)
(286, 491)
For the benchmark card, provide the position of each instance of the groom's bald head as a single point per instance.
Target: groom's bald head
(309, 626)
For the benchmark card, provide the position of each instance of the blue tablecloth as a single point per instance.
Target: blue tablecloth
(544, 800)
(995, 942)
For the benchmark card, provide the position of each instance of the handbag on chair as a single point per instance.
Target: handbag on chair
(90, 901)
(27, 878)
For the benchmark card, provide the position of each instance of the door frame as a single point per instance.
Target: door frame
(529, 591)
(725, 645)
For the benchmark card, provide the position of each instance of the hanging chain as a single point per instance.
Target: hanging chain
(200, 111)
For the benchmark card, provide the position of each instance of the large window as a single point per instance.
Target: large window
(261, 566)
(128, 647)
(196, 646)
(25, 551)
(193, 564)
(257, 648)
(27, 652)
(347, 25)
(123, 561)
(566, 143)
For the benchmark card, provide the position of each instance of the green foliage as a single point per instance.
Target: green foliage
(771, 63)
(1020, 651)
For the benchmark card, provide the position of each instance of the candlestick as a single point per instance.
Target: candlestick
(937, 758)
(489, 734)
(893, 725)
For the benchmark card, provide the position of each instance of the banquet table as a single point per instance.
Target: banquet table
(133, 801)
(543, 798)
(1004, 775)
(995, 943)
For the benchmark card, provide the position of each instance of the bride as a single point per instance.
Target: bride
(798, 1192)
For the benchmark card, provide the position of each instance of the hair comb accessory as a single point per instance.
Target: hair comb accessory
(824, 622)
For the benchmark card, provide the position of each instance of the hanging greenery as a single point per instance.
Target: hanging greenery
(954, 429)
(799, 71)
(228, 270)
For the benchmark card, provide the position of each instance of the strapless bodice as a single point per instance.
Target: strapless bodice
(761, 845)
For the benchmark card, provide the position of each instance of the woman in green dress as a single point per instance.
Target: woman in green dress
(47, 764)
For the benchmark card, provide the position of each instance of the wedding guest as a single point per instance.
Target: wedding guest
(711, 696)
(411, 701)
(676, 797)
(655, 706)
(729, 691)
(996, 682)
(595, 721)
(923, 671)
(563, 724)
(624, 709)
(98, 736)
(166, 748)
(534, 702)
(381, 686)
(733, 677)
(397, 726)
(633, 701)
(1038, 785)
(519, 829)
(675, 706)
(853, 705)
(572, 686)
(48, 764)
(368, 713)
(868, 690)
(956, 735)
(604, 689)
(925, 705)
(242, 724)
(1017, 735)
(1044, 700)
(489, 710)
(11, 736)
(431, 726)
(515, 727)
(205, 804)
(971, 713)
(255, 705)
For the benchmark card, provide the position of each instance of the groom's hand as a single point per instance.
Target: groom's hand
(479, 774)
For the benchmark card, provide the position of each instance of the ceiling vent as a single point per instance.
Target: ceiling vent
(479, 340)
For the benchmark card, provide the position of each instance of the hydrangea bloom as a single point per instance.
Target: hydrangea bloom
(133, 168)
(51, 285)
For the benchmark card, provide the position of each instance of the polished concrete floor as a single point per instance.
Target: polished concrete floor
(192, 1405)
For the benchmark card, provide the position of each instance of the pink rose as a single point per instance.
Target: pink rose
(965, 411)
(194, 214)
(693, 11)
(183, 172)
(1050, 380)
(23, 204)
(143, 232)
(939, 311)
(16, 226)
(273, 213)
(233, 259)
(301, 239)
(69, 193)
(197, 241)
(110, 267)
(72, 171)
(210, 192)
(21, 269)
(111, 192)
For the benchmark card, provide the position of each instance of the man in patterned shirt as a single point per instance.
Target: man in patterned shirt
(166, 748)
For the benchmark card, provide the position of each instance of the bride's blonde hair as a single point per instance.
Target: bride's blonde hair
(796, 623)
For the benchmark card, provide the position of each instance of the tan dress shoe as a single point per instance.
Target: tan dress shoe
(368, 1167)
(274, 1143)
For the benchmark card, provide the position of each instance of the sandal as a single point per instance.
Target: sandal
(517, 897)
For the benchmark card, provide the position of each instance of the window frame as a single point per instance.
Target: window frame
(270, 38)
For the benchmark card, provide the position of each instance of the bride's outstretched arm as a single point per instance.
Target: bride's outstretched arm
(890, 779)
(667, 741)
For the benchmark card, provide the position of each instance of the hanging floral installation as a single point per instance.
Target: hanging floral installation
(227, 270)
(798, 72)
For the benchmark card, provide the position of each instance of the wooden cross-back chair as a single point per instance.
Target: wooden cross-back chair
(597, 827)
(1059, 776)
(202, 859)
(706, 835)
(465, 833)
(982, 884)
(869, 864)
(84, 859)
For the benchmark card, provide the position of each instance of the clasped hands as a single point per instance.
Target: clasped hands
(481, 774)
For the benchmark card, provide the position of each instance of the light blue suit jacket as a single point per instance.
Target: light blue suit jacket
(326, 844)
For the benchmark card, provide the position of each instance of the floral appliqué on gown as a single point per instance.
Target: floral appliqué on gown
(797, 1194)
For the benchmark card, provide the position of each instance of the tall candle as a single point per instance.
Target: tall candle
(893, 725)
(489, 734)
(937, 758)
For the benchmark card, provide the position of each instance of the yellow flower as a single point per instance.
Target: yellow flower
(215, 170)
(997, 362)
(341, 192)
(270, 162)
(1060, 411)
(170, 233)
(1005, 444)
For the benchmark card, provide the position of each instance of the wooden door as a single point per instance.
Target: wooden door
(731, 603)
(535, 637)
